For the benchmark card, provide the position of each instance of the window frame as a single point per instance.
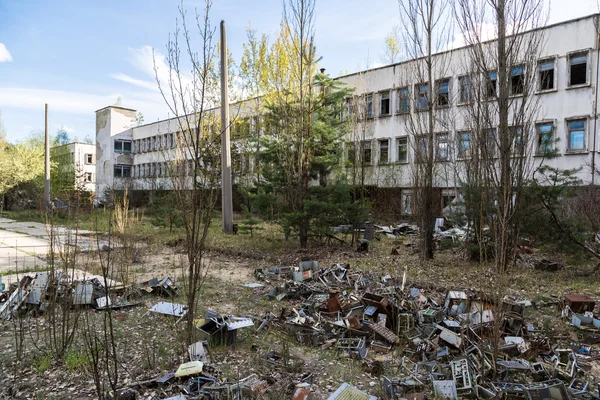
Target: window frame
(362, 152)
(552, 148)
(417, 94)
(574, 54)
(91, 178)
(379, 152)
(461, 88)
(401, 97)
(89, 158)
(399, 139)
(461, 153)
(122, 168)
(539, 74)
(369, 106)
(568, 131)
(438, 135)
(488, 80)
(522, 74)
(438, 93)
(389, 99)
(122, 142)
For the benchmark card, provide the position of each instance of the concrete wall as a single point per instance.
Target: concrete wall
(556, 106)
(111, 122)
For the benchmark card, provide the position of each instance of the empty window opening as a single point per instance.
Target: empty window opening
(578, 69)
(517, 80)
(492, 84)
(384, 103)
(546, 75)
(443, 92)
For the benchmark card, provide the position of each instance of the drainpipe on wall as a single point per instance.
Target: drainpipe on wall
(596, 101)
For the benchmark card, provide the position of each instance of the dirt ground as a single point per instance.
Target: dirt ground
(150, 345)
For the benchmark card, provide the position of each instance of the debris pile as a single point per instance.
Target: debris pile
(420, 340)
(446, 337)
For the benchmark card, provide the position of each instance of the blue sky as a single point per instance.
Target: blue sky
(80, 55)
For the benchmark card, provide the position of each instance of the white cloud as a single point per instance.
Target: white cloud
(80, 103)
(137, 82)
(4, 54)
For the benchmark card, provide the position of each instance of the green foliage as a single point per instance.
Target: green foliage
(23, 164)
(42, 363)
(249, 224)
(284, 192)
(76, 359)
(164, 212)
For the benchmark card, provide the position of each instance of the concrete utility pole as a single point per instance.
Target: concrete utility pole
(226, 196)
(47, 164)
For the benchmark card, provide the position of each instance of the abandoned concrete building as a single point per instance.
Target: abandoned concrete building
(566, 77)
(80, 158)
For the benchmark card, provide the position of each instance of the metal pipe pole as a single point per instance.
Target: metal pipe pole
(47, 163)
(226, 196)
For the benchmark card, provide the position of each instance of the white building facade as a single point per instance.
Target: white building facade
(566, 76)
(79, 158)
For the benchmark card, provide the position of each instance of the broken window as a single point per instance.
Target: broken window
(578, 69)
(492, 81)
(403, 149)
(443, 95)
(464, 144)
(442, 147)
(369, 101)
(422, 93)
(351, 152)
(122, 146)
(348, 108)
(465, 89)
(403, 100)
(546, 74)
(89, 158)
(384, 151)
(366, 152)
(517, 80)
(576, 135)
(88, 176)
(545, 134)
(122, 171)
(384, 103)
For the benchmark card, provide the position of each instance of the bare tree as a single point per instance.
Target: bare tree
(195, 169)
(426, 30)
(501, 120)
(503, 116)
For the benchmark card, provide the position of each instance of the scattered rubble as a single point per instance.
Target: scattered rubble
(415, 341)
